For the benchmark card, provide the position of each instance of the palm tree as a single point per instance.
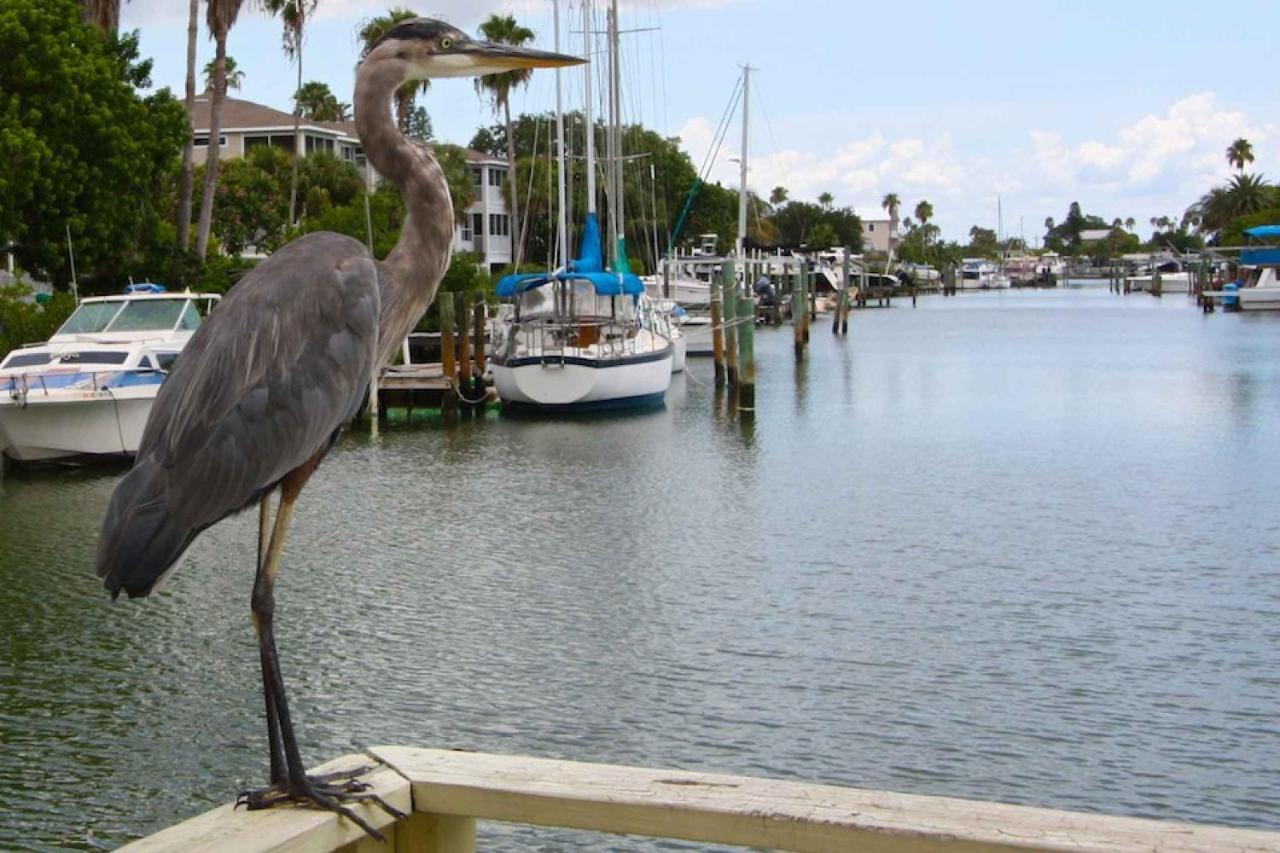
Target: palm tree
(317, 102)
(778, 196)
(294, 13)
(891, 203)
(1239, 153)
(103, 14)
(1048, 223)
(376, 28)
(1129, 222)
(503, 29)
(220, 17)
(234, 75)
(1243, 195)
(924, 212)
(825, 199)
(188, 168)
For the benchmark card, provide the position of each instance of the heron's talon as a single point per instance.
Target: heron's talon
(326, 791)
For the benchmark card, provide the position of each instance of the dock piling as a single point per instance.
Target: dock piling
(746, 356)
(727, 275)
(448, 355)
(717, 330)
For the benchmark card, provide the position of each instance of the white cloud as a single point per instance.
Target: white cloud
(1156, 165)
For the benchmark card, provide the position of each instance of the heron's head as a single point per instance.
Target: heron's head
(429, 48)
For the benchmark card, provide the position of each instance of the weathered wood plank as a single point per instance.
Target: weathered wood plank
(757, 812)
(284, 829)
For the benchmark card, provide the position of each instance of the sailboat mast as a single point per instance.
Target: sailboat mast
(586, 112)
(742, 178)
(562, 241)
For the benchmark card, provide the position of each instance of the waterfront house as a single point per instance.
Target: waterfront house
(876, 234)
(484, 228)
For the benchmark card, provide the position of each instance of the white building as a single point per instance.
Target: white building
(485, 227)
(876, 234)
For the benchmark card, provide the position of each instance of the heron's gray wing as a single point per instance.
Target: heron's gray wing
(262, 387)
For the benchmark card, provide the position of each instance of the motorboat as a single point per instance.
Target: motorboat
(1258, 267)
(581, 337)
(88, 390)
(1173, 277)
(981, 274)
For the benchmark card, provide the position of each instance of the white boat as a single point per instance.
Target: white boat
(1173, 278)
(88, 390)
(1261, 290)
(581, 338)
(981, 274)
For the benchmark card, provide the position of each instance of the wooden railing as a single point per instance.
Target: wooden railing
(446, 792)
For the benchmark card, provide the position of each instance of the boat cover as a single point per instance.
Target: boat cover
(1263, 231)
(589, 267)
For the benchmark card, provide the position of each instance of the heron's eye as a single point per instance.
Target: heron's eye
(446, 43)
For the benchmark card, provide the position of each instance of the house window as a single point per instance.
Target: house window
(499, 224)
(477, 177)
(278, 140)
(496, 176)
(203, 141)
(871, 226)
(318, 143)
(477, 223)
(466, 230)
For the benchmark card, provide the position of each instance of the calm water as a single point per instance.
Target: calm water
(1020, 547)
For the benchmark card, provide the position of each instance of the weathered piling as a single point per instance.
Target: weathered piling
(448, 355)
(1157, 286)
(727, 277)
(717, 330)
(462, 380)
(480, 315)
(798, 314)
(746, 356)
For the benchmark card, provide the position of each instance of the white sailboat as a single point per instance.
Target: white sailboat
(584, 336)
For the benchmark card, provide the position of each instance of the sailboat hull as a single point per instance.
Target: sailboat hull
(552, 383)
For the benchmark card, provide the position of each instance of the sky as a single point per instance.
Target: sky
(1125, 106)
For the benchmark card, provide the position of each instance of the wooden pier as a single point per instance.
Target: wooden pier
(445, 792)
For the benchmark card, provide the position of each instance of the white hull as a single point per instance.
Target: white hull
(584, 382)
(1260, 299)
(1170, 282)
(87, 423)
(684, 291)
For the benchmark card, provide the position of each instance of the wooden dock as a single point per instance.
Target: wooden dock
(445, 792)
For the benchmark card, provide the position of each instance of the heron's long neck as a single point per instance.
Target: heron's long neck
(412, 271)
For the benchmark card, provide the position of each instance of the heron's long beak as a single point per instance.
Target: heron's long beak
(491, 58)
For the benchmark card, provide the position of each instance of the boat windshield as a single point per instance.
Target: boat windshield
(90, 317)
(148, 315)
(30, 359)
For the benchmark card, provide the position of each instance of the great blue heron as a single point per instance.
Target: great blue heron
(265, 386)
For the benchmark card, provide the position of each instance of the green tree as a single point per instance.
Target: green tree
(82, 148)
(235, 77)
(891, 204)
(503, 29)
(25, 321)
(778, 196)
(370, 32)
(1239, 153)
(982, 243)
(419, 125)
(317, 102)
(220, 16)
(825, 200)
(1129, 222)
(1243, 195)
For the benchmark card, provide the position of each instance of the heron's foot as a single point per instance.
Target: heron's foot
(327, 791)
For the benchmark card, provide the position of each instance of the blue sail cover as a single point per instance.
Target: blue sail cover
(589, 268)
(1263, 231)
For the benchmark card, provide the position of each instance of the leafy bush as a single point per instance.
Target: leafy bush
(25, 321)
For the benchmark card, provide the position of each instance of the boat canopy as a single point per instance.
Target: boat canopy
(146, 287)
(588, 268)
(1263, 231)
(1260, 257)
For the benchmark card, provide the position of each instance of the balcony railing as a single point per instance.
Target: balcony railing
(445, 792)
